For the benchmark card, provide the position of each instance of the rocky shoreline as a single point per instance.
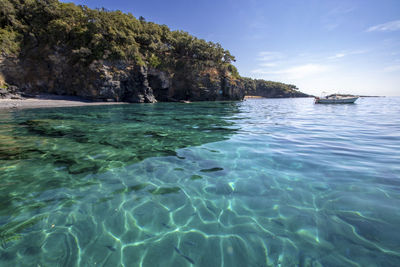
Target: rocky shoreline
(48, 101)
(108, 56)
(116, 81)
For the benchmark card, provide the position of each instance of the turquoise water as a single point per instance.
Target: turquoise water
(264, 182)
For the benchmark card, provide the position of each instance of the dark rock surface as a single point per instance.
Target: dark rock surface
(115, 81)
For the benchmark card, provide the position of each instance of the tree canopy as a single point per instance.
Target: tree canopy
(92, 34)
(36, 28)
(259, 87)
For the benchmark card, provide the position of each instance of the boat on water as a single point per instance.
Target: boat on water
(336, 99)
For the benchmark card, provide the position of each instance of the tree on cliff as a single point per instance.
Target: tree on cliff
(259, 87)
(36, 30)
(90, 34)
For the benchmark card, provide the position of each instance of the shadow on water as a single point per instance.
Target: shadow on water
(51, 149)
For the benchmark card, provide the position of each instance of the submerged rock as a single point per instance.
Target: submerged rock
(196, 177)
(165, 190)
(216, 169)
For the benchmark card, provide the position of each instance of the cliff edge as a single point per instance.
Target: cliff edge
(101, 55)
(61, 48)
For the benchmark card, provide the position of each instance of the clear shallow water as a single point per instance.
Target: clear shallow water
(271, 182)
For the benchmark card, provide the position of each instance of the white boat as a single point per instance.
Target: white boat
(336, 99)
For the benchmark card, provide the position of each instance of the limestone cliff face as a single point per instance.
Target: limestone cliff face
(103, 80)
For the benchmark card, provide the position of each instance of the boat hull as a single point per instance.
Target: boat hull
(349, 100)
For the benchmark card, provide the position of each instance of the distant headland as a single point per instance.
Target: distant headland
(65, 49)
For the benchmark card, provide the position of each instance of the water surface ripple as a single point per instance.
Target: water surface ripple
(264, 182)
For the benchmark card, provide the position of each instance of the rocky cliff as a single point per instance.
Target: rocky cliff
(62, 48)
(121, 80)
(66, 49)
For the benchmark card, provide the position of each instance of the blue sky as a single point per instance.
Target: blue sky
(346, 46)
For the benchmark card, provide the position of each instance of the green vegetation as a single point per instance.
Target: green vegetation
(91, 34)
(259, 87)
(9, 41)
(39, 30)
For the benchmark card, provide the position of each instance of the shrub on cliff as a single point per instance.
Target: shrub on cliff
(39, 30)
(92, 34)
(259, 87)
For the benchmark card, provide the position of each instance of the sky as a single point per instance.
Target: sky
(321, 46)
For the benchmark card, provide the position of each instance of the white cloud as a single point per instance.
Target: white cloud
(260, 71)
(331, 26)
(316, 72)
(297, 72)
(270, 59)
(385, 27)
(336, 17)
(342, 10)
(393, 68)
(338, 55)
(347, 53)
(302, 71)
(269, 56)
(268, 64)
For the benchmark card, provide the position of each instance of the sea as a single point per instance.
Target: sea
(262, 182)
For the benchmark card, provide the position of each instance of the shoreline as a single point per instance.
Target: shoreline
(50, 101)
(252, 96)
(58, 101)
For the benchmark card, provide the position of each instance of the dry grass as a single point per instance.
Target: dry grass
(213, 72)
(2, 81)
